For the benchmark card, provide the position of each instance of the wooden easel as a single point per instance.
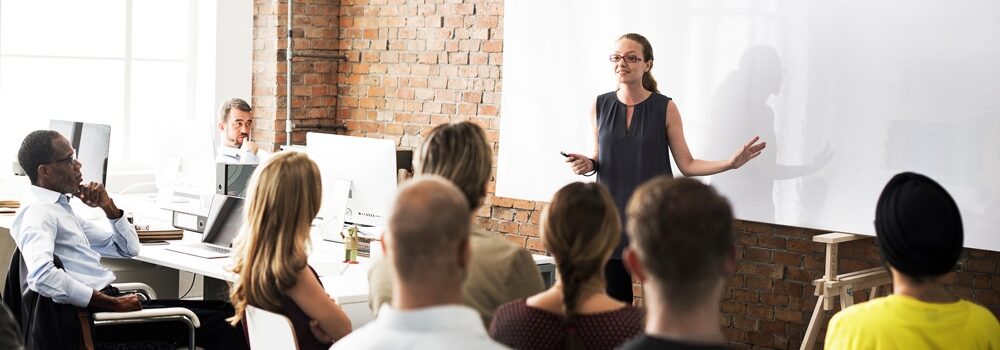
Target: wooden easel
(834, 285)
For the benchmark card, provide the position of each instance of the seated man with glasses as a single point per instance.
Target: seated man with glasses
(236, 125)
(47, 230)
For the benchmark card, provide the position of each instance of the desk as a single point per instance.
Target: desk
(349, 289)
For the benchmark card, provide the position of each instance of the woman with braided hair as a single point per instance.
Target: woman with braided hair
(580, 228)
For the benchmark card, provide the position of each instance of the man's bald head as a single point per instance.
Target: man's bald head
(428, 229)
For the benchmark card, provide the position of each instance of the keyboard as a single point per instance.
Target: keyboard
(201, 250)
(208, 248)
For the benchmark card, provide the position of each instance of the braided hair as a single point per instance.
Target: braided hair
(580, 229)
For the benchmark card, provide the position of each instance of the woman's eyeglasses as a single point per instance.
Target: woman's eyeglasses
(628, 59)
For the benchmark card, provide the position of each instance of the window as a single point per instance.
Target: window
(127, 63)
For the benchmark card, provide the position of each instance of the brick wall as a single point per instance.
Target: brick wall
(415, 64)
(314, 80)
(770, 299)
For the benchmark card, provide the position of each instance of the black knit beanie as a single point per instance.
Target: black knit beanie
(918, 225)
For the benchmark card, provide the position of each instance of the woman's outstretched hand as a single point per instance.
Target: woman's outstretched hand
(579, 163)
(749, 151)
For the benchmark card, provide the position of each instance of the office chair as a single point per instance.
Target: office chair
(268, 330)
(48, 314)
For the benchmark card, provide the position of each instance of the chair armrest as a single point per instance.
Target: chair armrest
(140, 288)
(148, 314)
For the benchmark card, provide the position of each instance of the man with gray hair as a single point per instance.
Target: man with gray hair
(236, 126)
(428, 245)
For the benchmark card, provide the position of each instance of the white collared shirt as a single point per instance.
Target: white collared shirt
(436, 327)
(233, 155)
(48, 227)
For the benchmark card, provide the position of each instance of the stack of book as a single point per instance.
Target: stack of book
(164, 234)
(9, 206)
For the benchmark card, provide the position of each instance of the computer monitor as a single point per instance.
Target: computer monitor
(225, 220)
(370, 166)
(92, 143)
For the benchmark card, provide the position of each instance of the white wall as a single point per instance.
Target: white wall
(845, 93)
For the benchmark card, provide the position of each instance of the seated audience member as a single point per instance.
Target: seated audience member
(919, 232)
(682, 250)
(427, 243)
(235, 127)
(10, 333)
(48, 228)
(271, 255)
(580, 228)
(499, 271)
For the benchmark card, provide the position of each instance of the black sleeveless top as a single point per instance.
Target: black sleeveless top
(300, 322)
(628, 156)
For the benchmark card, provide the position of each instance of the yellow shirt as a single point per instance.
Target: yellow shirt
(901, 322)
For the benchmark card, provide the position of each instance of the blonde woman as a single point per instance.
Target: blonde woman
(271, 253)
(580, 228)
(499, 271)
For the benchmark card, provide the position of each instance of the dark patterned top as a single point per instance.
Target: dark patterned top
(520, 326)
(646, 342)
(630, 155)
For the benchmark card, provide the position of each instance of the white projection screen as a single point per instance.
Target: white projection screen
(845, 93)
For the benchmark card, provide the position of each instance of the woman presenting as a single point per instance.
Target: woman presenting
(634, 127)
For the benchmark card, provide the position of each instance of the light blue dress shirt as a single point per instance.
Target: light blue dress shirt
(435, 327)
(46, 227)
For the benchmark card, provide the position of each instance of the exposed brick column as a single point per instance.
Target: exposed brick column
(415, 65)
(314, 87)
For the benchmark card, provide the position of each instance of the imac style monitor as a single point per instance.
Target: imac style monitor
(369, 165)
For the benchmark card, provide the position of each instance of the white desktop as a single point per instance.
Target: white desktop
(366, 166)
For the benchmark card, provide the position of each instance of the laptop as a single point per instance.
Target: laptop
(225, 219)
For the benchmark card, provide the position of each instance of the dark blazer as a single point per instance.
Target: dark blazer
(44, 323)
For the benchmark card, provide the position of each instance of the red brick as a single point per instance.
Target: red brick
(788, 288)
(988, 297)
(493, 46)
(508, 227)
(535, 244)
(519, 241)
(762, 284)
(529, 230)
(758, 227)
(790, 316)
(804, 246)
(771, 327)
(728, 307)
(787, 259)
(757, 254)
(981, 265)
(773, 242)
(523, 204)
(744, 323)
(761, 312)
(774, 299)
(505, 214)
(746, 296)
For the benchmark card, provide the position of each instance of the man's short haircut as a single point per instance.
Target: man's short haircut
(36, 149)
(460, 153)
(430, 218)
(237, 103)
(682, 231)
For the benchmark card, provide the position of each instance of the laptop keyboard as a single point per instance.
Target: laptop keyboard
(208, 248)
